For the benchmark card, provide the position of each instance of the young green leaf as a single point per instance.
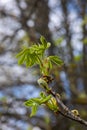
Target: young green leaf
(47, 98)
(52, 104)
(35, 102)
(56, 60)
(34, 109)
(29, 103)
(21, 53)
(21, 60)
(42, 95)
(43, 41)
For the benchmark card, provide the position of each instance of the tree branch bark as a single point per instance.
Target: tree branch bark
(64, 110)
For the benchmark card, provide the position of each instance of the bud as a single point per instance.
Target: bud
(48, 44)
(75, 112)
(42, 83)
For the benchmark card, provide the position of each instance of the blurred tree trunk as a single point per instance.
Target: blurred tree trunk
(83, 5)
(71, 73)
(38, 12)
(66, 24)
(42, 22)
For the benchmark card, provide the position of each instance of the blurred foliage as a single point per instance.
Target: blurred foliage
(58, 41)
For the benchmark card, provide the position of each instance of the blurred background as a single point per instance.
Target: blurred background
(64, 24)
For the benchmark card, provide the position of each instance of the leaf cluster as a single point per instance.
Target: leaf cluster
(34, 103)
(48, 64)
(35, 54)
(32, 55)
(43, 99)
(52, 104)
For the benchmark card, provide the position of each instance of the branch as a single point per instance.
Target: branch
(64, 110)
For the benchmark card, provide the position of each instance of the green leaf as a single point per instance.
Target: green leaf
(50, 65)
(42, 95)
(28, 61)
(39, 100)
(46, 99)
(20, 53)
(21, 60)
(29, 103)
(56, 60)
(43, 41)
(34, 109)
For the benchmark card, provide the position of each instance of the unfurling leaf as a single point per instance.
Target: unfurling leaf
(56, 60)
(43, 41)
(21, 53)
(47, 66)
(21, 60)
(52, 104)
(34, 109)
(35, 102)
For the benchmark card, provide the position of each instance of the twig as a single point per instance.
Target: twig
(64, 110)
